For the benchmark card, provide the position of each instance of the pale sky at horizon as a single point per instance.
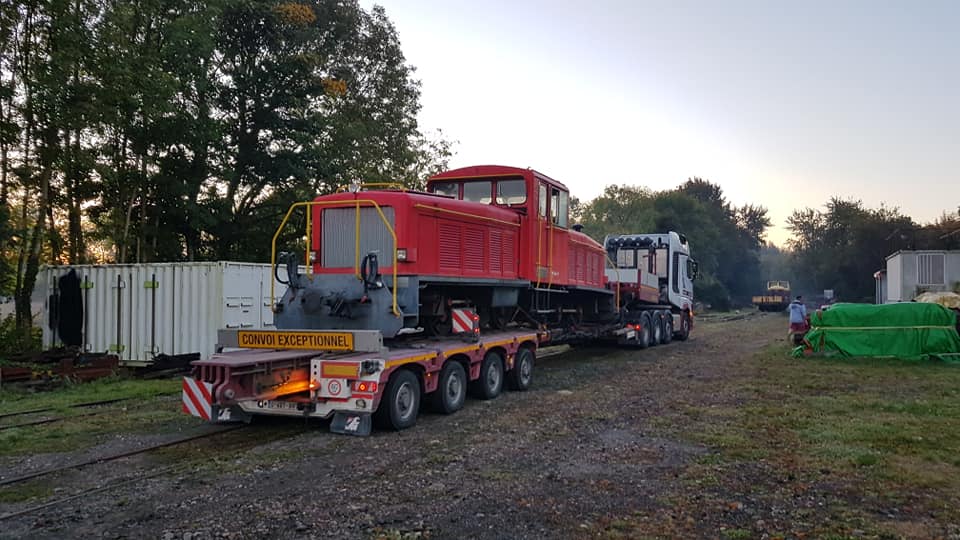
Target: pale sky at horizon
(783, 104)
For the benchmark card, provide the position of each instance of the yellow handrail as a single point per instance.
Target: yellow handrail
(309, 243)
(309, 205)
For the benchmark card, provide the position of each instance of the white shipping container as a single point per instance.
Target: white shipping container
(140, 310)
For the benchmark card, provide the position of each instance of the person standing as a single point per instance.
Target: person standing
(798, 316)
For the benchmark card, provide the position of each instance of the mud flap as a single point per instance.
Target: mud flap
(230, 414)
(359, 424)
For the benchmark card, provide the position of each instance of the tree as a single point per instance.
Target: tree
(841, 246)
(725, 240)
(136, 130)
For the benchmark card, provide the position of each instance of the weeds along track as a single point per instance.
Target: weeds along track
(99, 405)
(74, 406)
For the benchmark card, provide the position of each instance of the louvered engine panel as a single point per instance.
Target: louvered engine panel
(582, 258)
(510, 259)
(473, 250)
(495, 252)
(450, 246)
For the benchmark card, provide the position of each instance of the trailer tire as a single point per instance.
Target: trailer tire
(451, 390)
(643, 338)
(684, 332)
(490, 382)
(401, 401)
(521, 376)
(656, 324)
(667, 327)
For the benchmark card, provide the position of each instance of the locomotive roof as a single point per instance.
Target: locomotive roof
(494, 170)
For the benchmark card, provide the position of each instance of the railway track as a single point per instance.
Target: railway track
(146, 475)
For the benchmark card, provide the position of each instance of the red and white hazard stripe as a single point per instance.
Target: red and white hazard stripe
(197, 398)
(463, 321)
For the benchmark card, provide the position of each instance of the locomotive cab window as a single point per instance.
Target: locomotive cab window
(626, 258)
(543, 200)
(558, 207)
(478, 191)
(510, 192)
(450, 189)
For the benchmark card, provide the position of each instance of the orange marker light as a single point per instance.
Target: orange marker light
(365, 386)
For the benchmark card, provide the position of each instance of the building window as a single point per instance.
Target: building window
(930, 269)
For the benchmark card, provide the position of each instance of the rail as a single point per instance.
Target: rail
(358, 204)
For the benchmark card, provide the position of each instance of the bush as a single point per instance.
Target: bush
(13, 341)
(712, 293)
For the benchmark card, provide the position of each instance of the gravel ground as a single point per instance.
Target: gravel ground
(584, 453)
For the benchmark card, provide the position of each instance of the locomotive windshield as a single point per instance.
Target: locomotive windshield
(511, 192)
(480, 191)
(450, 189)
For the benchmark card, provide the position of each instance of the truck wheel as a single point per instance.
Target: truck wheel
(643, 338)
(490, 382)
(656, 327)
(401, 401)
(451, 389)
(521, 375)
(684, 332)
(667, 328)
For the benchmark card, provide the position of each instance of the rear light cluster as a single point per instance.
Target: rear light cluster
(365, 387)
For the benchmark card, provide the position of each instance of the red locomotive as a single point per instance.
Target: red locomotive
(494, 238)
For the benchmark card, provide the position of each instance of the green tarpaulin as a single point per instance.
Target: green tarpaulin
(907, 330)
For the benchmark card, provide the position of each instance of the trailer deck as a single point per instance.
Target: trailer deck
(349, 385)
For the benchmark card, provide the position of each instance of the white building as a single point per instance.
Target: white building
(909, 273)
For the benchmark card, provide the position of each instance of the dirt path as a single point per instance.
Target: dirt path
(591, 449)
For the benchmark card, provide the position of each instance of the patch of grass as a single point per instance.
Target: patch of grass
(892, 425)
(13, 399)
(736, 534)
(25, 492)
(80, 431)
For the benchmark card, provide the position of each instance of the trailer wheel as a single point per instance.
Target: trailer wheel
(684, 331)
(490, 382)
(667, 327)
(643, 338)
(401, 401)
(521, 375)
(451, 388)
(656, 324)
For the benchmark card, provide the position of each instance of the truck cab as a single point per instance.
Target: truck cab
(653, 269)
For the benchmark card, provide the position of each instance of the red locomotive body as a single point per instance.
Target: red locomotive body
(554, 255)
(490, 237)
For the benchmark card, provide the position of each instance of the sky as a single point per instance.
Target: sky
(783, 104)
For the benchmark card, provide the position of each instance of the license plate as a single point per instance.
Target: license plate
(631, 334)
(277, 405)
